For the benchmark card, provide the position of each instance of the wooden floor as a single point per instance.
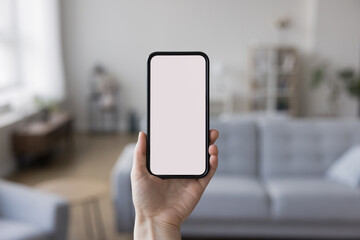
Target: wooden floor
(91, 156)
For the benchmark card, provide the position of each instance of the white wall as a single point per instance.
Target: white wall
(120, 34)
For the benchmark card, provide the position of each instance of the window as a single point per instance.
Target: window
(30, 53)
(8, 44)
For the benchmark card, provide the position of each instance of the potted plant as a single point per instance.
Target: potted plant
(46, 107)
(352, 83)
(346, 77)
(322, 75)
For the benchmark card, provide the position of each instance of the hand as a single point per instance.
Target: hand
(162, 205)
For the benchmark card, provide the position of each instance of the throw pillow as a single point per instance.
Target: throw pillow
(346, 169)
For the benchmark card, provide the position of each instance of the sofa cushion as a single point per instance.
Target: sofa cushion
(232, 197)
(313, 200)
(13, 230)
(302, 147)
(237, 146)
(346, 169)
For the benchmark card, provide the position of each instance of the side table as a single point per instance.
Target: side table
(38, 138)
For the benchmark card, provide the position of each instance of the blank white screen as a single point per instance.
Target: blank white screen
(177, 115)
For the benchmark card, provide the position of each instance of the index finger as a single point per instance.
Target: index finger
(214, 134)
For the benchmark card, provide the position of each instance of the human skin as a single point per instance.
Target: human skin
(162, 205)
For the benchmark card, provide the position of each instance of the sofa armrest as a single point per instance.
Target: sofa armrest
(121, 190)
(44, 210)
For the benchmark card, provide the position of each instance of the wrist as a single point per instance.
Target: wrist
(152, 228)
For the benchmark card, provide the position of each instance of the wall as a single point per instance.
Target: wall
(120, 34)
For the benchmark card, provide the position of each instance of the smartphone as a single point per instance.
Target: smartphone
(178, 114)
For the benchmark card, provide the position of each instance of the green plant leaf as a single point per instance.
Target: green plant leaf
(317, 76)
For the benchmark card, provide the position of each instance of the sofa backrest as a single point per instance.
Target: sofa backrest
(237, 146)
(303, 147)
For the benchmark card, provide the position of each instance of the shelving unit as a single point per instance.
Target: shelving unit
(273, 79)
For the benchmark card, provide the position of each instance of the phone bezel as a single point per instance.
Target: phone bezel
(207, 67)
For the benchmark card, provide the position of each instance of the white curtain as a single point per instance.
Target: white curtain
(39, 68)
(40, 48)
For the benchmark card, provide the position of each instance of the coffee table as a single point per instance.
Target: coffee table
(82, 192)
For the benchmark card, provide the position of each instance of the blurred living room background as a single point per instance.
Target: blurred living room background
(284, 94)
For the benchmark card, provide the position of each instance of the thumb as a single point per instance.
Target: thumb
(139, 161)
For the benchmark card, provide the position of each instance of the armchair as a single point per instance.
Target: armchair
(26, 213)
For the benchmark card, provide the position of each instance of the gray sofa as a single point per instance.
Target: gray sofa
(28, 214)
(270, 182)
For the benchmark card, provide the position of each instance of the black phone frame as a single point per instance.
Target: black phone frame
(207, 76)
